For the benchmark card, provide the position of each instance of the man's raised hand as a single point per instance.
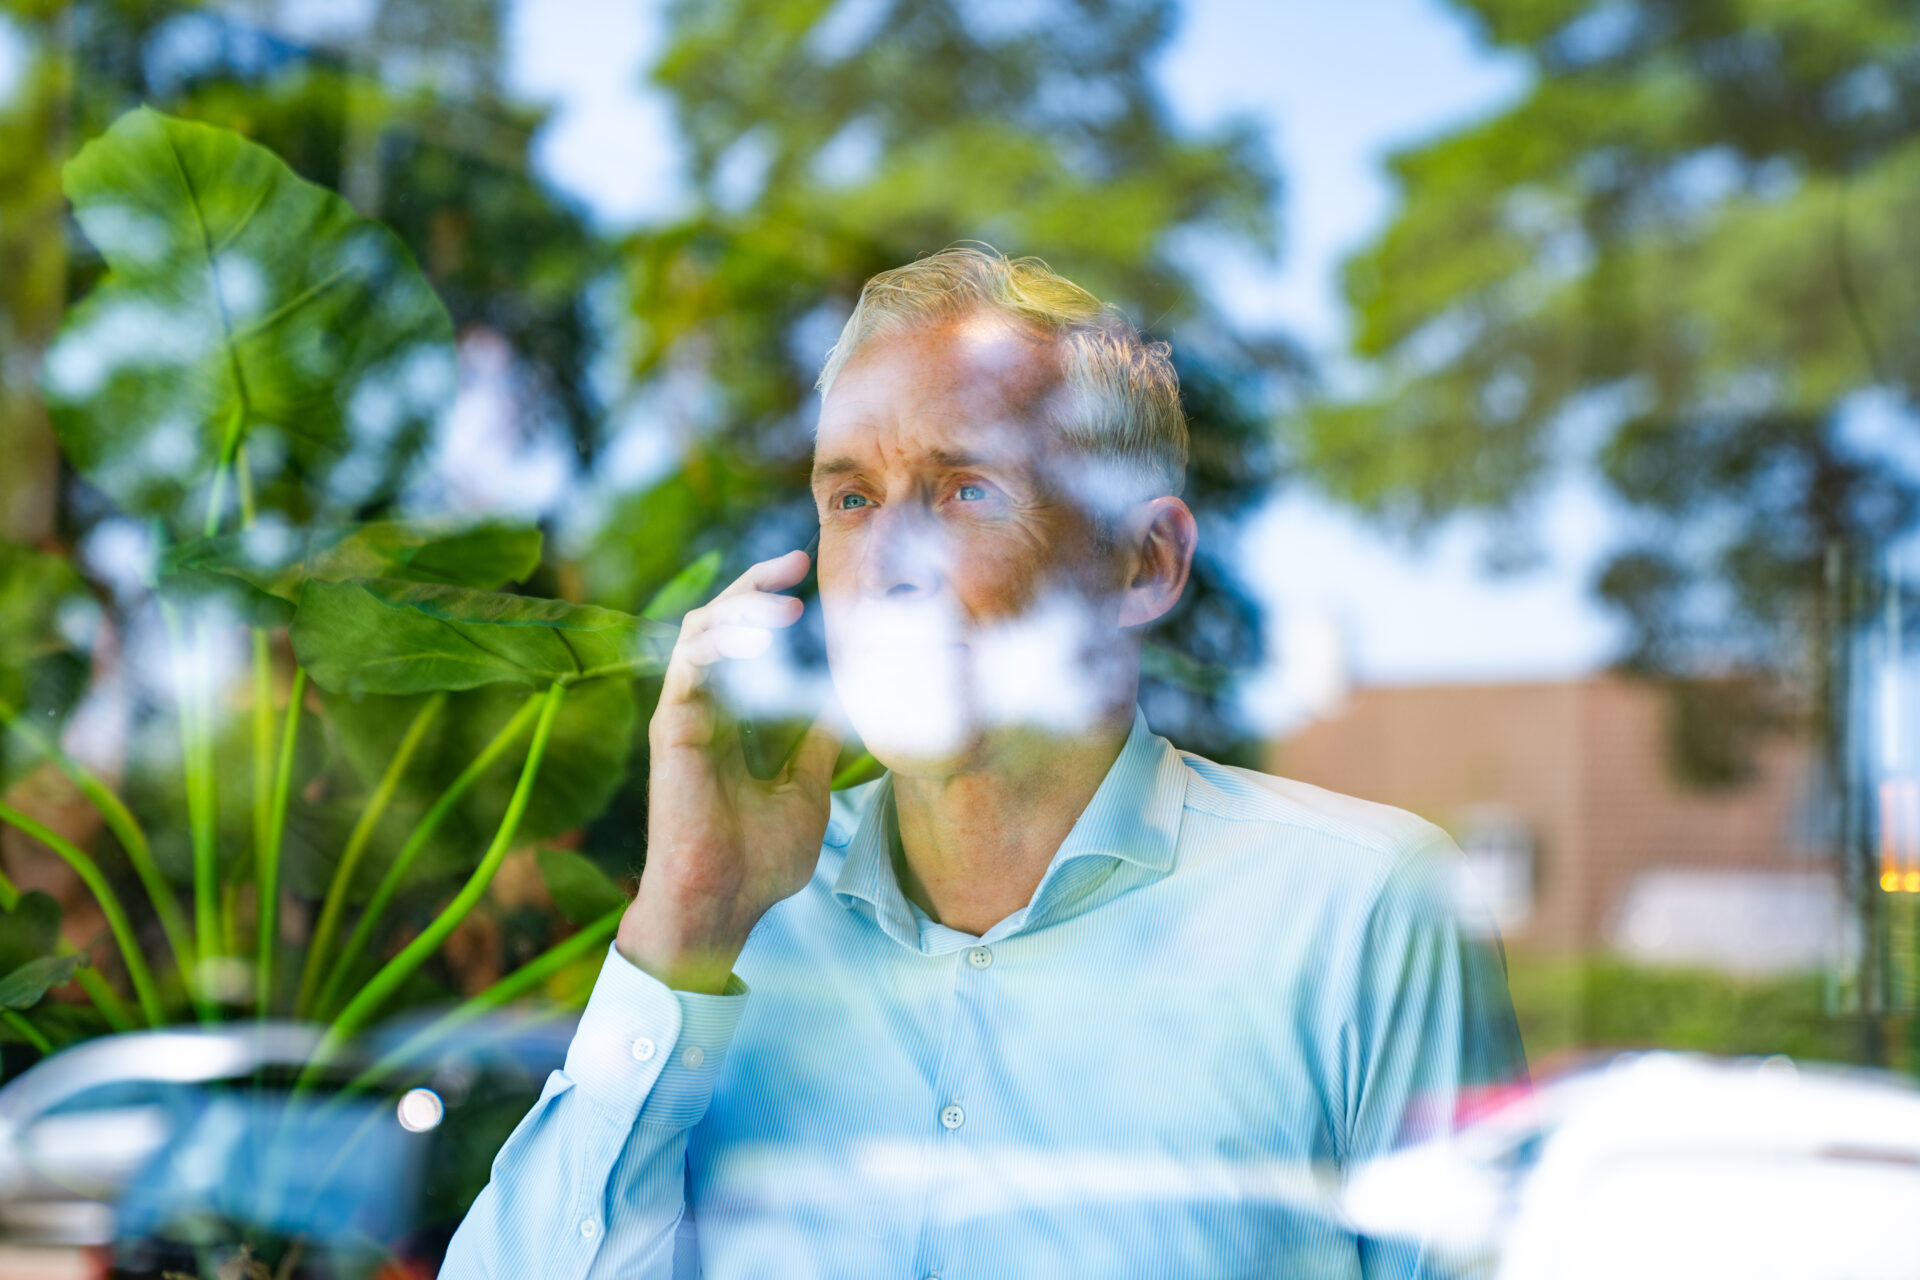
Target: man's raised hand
(722, 846)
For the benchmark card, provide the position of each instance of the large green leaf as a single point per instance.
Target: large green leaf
(586, 760)
(241, 302)
(258, 574)
(23, 988)
(581, 890)
(382, 636)
(47, 623)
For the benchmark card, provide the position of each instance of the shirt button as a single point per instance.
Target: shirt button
(693, 1057)
(980, 957)
(589, 1228)
(643, 1050)
(952, 1116)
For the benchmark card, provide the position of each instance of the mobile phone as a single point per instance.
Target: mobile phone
(771, 727)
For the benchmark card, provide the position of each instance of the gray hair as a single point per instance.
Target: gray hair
(1122, 403)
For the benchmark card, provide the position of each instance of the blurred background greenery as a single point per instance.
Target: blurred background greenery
(1662, 260)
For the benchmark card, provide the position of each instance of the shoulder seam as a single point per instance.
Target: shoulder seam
(1396, 847)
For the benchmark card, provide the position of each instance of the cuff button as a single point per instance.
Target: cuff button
(643, 1050)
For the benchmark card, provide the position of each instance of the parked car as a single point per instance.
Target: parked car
(1669, 1165)
(167, 1151)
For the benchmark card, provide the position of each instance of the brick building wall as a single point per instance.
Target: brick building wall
(1581, 765)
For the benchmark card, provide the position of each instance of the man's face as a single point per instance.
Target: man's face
(964, 586)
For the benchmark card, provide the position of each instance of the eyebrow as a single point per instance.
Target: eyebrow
(947, 458)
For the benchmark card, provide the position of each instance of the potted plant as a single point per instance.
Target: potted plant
(342, 713)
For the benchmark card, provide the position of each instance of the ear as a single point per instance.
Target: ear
(1159, 537)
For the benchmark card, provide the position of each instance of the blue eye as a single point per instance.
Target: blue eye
(849, 501)
(978, 493)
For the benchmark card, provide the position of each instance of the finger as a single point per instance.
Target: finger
(682, 721)
(728, 640)
(697, 652)
(753, 609)
(769, 575)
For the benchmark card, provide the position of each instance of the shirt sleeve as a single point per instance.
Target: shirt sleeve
(592, 1182)
(1430, 1036)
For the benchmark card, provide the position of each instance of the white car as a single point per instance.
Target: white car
(1669, 1165)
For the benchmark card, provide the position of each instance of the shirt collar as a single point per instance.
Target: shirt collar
(1133, 818)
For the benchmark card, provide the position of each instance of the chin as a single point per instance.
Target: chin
(912, 734)
(916, 761)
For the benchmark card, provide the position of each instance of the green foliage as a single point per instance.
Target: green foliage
(47, 621)
(243, 304)
(486, 555)
(21, 988)
(381, 636)
(583, 892)
(588, 756)
(1681, 257)
(260, 578)
(868, 146)
(304, 355)
(29, 929)
(255, 338)
(153, 787)
(1580, 1004)
(33, 956)
(685, 590)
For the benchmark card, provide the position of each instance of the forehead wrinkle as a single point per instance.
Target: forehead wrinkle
(937, 456)
(974, 390)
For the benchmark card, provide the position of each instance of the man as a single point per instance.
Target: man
(1049, 998)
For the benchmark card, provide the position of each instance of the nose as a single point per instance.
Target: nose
(906, 554)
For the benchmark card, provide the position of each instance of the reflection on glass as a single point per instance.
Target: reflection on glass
(381, 383)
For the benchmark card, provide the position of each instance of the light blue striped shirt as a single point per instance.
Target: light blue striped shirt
(1227, 989)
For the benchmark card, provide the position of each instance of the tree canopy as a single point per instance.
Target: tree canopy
(830, 142)
(1682, 257)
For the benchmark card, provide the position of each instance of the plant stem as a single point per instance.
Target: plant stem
(202, 817)
(267, 863)
(100, 993)
(852, 773)
(518, 983)
(403, 861)
(357, 841)
(120, 821)
(229, 449)
(397, 970)
(29, 1032)
(89, 873)
(262, 745)
(230, 919)
(90, 980)
(243, 478)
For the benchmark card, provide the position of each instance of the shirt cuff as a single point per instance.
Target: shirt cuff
(641, 1045)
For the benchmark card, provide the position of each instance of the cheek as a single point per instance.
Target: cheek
(1000, 572)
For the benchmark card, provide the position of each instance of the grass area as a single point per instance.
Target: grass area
(1572, 1005)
